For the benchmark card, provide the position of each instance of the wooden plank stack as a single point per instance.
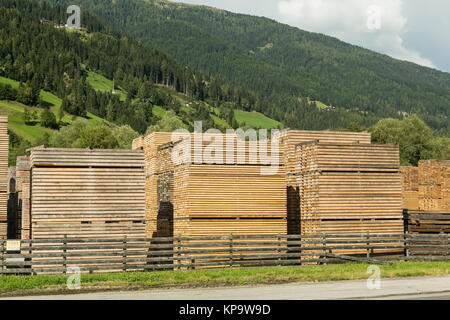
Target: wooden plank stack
(23, 184)
(428, 222)
(288, 140)
(434, 185)
(349, 188)
(85, 193)
(4, 146)
(14, 218)
(410, 179)
(149, 144)
(210, 194)
(19, 199)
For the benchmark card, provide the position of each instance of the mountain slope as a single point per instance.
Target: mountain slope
(79, 66)
(284, 63)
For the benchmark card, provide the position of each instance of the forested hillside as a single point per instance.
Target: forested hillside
(285, 65)
(61, 61)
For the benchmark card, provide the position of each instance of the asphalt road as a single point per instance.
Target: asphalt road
(407, 288)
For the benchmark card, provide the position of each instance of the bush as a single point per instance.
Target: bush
(48, 120)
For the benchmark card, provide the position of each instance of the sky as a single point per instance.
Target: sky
(413, 30)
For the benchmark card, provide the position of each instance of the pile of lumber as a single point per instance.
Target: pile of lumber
(410, 182)
(4, 145)
(288, 140)
(434, 185)
(349, 188)
(19, 199)
(23, 184)
(155, 227)
(13, 216)
(423, 222)
(212, 185)
(83, 193)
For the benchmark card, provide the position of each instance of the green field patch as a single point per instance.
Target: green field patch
(158, 111)
(219, 121)
(255, 119)
(11, 82)
(99, 82)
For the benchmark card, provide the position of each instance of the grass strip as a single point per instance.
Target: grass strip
(220, 277)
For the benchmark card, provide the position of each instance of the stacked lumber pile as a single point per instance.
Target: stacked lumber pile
(228, 162)
(410, 181)
(19, 199)
(155, 227)
(423, 222)
(14, 219)
(434, 185)
(205, 184)
(4, 146)
(86, 193)
(23, 183)
(288, 140)
(349, 188)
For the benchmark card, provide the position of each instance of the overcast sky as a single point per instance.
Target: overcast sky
(413, 30)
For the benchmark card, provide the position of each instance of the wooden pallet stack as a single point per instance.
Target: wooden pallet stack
(349, 188)
(85, 193)
(410, 179)
(4, 146)
(288, 140)
(434, 185)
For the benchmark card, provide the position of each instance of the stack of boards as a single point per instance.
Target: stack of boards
(288, 140)
(410, 181)
(83, 193)
(428, 222)
(23, 185)
(207, 189)
(434, 185)
(431, 212)
(349, 188)
(19, 200)
(4, 145)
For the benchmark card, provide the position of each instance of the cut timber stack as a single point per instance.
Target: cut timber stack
(4, 146)
(410, 179)
(349, 188)
(86, 193)
(19, 200)
(154, 227)
(434, 185)
(14, 219)
(210, 190)
(425, 222)
(23, 184)
(288, 140)
(217, 199)
(222, 154)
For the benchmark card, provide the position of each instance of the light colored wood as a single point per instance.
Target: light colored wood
(434, 185)
(198, 188)
(349, 187)
(87, 193)
(4, 145)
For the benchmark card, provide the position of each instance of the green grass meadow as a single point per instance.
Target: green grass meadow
(255, 119)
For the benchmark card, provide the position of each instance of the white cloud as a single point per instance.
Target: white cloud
(354, 21)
